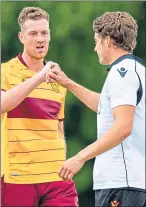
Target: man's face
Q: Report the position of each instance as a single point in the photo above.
(35, 36)
(102, 49)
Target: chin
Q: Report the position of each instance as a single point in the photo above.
(39, 56)
(102, 61)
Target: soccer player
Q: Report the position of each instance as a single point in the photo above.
(32, 122)
(119, 169)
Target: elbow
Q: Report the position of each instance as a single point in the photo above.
(94, 109)
(3, 110)
(4, 107)
(125, 130)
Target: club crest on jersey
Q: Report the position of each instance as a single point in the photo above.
(122, 71)
(55, 87)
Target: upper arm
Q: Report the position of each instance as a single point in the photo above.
(123, 90)
(124, 116)
(123, 97)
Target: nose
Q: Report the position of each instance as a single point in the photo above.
(40, 37)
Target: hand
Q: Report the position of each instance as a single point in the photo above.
(71, 167)
(45, 70)
(55, 69)
(59, 76)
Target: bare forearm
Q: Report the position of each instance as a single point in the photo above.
(13, 97)
(88, 97)
(110, 140)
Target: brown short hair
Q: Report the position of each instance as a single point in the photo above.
(32, 13)
(121, 27)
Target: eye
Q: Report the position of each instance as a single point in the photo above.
(45, 33)
(33, 33)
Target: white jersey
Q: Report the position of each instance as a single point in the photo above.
(124, 165)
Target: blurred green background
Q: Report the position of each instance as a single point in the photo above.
(72, 46)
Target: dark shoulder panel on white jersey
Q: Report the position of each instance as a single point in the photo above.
(137, 60)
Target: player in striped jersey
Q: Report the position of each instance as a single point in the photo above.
(32, 122)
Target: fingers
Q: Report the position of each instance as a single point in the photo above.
(49, 79)
(51, 64)
(55, 69)
(44, 73)
(62, 173)
(53, 75)
(65, 173)
(68, 176)
(56, 75)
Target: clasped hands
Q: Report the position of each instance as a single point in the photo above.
(49, 69)
(52, 73)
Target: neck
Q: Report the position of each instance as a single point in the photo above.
(117, 54)
(33, 63)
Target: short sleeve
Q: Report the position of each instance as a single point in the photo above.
(4, 83)
(123, 85)
(61, 112)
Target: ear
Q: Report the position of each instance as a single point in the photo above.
(109, 41)
(105, 41)
(21, 37)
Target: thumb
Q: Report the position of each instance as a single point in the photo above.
(53, 75)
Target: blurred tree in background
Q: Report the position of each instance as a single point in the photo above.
(72, 46)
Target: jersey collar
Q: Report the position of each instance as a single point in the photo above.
(23, 62)
(127, 56)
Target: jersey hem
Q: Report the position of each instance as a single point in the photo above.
(31, 181)
(109, 186)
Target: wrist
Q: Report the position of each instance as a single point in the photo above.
(80, 156)
(41, 77)
(69, 84)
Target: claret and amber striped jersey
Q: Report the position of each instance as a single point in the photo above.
(36, 148)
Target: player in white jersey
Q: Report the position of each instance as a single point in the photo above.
(119, 170)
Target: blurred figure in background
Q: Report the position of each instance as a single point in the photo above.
(32, 120)
(119, 169)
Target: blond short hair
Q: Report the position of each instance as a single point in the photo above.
(31, 13)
